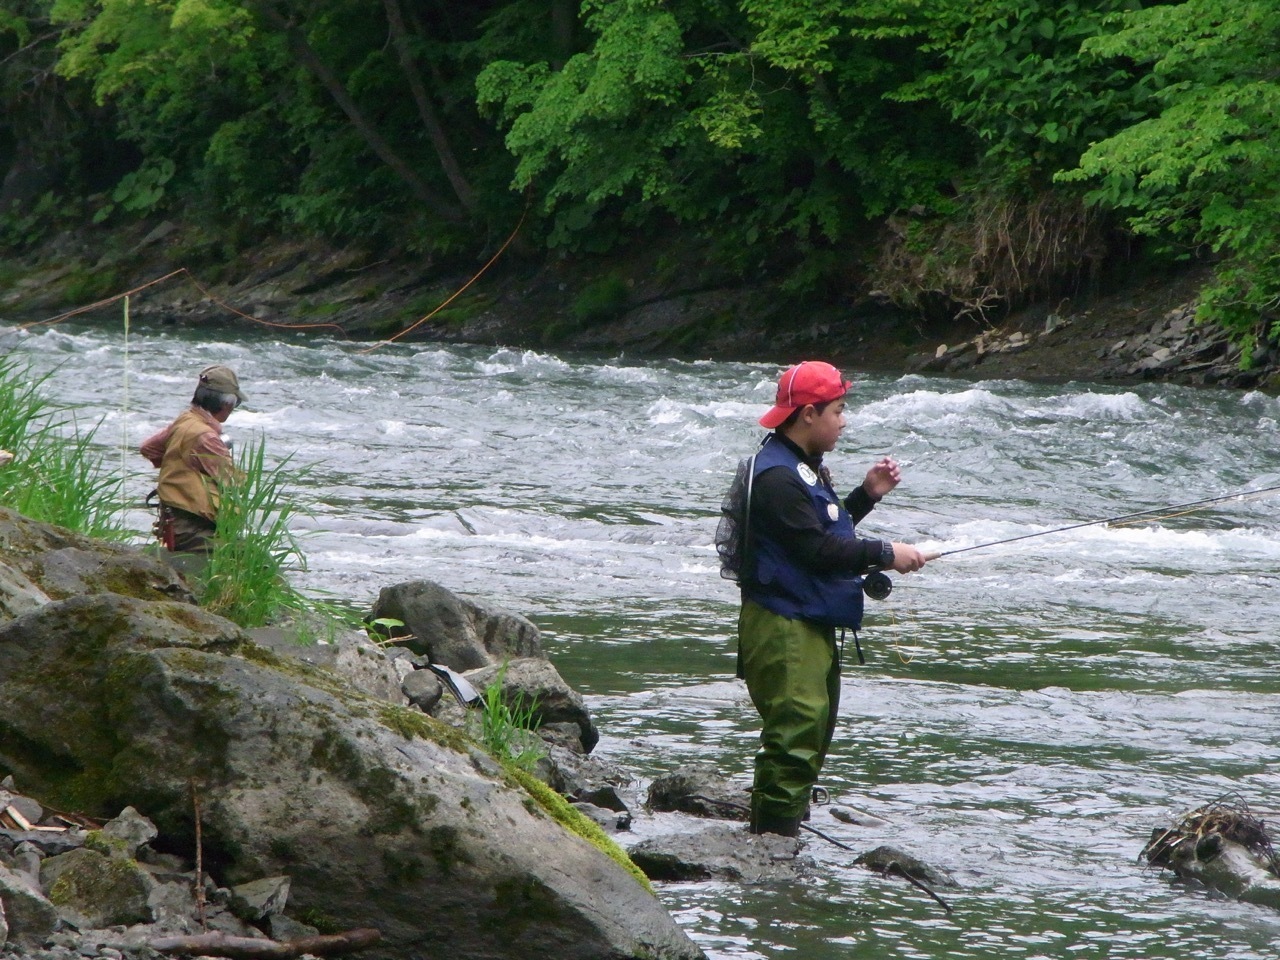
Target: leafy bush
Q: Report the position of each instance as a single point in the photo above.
(602, 299)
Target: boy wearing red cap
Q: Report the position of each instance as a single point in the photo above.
(800, 581)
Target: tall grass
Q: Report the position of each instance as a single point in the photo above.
(245, 577)
(57, 475)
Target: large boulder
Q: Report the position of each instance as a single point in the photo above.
(458, 633)
(380, 815)
(56, 563)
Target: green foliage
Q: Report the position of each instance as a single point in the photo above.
(245, 577)
(84, 285)
(22, 229)
(790, 135)
(1202, 173)
(598, 129)
(140, 192)
(1013, 74)
(764, 122)
(57, 475)
(504, 725)
(234, 109)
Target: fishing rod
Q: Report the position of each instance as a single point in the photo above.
(878, 586)
(1122, 518)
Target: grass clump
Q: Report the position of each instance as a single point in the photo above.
(254, 548)
(505, 729)
(56, 475)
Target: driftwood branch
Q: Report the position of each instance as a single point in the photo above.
(250, 948)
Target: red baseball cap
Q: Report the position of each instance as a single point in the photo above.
(809, 382)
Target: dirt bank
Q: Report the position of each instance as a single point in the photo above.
(666, 301)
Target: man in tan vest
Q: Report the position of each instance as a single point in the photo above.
(192, 458)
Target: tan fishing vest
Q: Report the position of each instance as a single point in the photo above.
(180, 485)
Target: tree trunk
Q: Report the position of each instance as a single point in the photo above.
(305, 55)
(564, 22)
(439, 139)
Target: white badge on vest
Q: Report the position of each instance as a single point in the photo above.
(807, 474)
(833, 511)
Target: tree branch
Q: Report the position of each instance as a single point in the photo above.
(251, 948)
(439, 139)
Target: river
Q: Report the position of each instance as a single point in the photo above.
(1028, 712)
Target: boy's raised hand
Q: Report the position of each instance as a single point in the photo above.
(883, 476)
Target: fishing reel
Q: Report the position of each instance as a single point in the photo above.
(877, 585)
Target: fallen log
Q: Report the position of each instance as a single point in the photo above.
(251, 948)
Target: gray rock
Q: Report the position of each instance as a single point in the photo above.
(48, 842)
(26, 859)
(528, 681)
(722, 852)
(699, 789)
(284, 929)
(29, 916)
(129, 831)
(173, 905)
(890, 860)
(606, 796)
(61, 564)
(382, 816)
(259, 899)
(565, 735)
(360, 662)
(610, 820)
(857, 818)
(91, 889)
(4, 926)
(18, 594)
(462, 634)
(30, 810)
(423, 688)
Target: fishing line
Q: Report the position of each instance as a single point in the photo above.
(1181, 508)
(124, 414)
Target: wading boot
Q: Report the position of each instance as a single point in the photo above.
(782, 826)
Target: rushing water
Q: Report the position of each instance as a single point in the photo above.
(1028, 712)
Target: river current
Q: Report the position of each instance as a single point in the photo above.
(1028, 712)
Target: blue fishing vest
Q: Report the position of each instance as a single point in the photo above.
(782, 587)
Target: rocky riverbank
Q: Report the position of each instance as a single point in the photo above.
(163, 764)
(665, 301)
